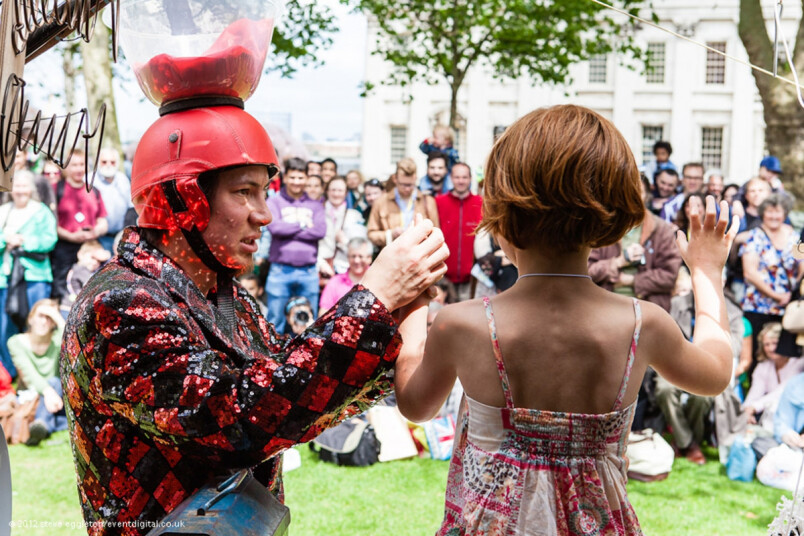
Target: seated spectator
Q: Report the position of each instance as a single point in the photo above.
(343, 224)
(36, 356)
(770, 376)
(251, 283)
(91, 256)
(28, 236)
(359, 252)
(781, 465)
(694, 201)
(6, 387)
(692, 177)
(441, 142)
(644, 264)
(315, 187)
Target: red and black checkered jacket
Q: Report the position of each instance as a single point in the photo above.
(159, 399)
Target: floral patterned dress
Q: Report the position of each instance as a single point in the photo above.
(777, 267)
(531, 472)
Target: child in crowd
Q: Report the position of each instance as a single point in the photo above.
(559, 182)
(441, 142)
(251, 283)
(91, 255)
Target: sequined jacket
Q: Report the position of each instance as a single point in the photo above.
(159, 399)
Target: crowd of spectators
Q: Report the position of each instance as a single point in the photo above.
(328, 226)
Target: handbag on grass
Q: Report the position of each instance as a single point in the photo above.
(237, 505)
(650, 457)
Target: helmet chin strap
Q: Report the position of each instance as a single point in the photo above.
(225, 275)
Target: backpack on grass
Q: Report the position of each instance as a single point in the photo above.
(352, 442)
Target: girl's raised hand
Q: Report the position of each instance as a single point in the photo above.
(710, 238)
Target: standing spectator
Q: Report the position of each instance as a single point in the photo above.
(91, 256)
(756, 191)
(769, 268)
(730, 193)
(313, 168)
(115, 190)
(28, 235)
(459, 212)
(644, 264)
(441, 142)
(436, 181)
(665, 186)
(691, 202)
(661, 160)
(343, 224)
(298, 224)
(36, 355)
(354, 183)
(329, 168)
(714, 184)
(395, 210)
(769, 170)
(45, 191)
(359, 252)
(692, 176)
(372, 191)
(251, 284)
(81, 216)
(314, 187)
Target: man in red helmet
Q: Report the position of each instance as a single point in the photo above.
(170, 373)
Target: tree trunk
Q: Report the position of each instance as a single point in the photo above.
(453, 106)
(784, 116)
(70, 72)
(98, 80)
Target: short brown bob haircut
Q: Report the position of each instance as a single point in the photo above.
(563, 178)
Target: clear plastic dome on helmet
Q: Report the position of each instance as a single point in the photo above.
(183, 49)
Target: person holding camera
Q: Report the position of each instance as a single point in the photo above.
(644, 264)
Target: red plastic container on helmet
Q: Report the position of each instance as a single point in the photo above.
(180, 49)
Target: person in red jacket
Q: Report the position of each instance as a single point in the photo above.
(459, 211)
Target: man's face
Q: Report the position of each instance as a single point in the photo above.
(238, 213)
(352, 180)
(437, 170)
(405, 184)
(107, 163)
(359, 259)
(75, 169)
(666, 184)
(756, 192)
(661, 155)
(693, 179)
(715, 186)
(461, 179)
(372, 193)
(328, 170)
(295, 182)
(766, 174)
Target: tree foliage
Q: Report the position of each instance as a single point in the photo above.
(432, 40)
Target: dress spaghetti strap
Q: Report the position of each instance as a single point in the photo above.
(631, 354)
(509, 400)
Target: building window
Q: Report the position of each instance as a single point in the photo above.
(597, 69)
(399, 143)
(498, 131)
(650, 135)
(656, 55)
(712, 147)
(716, 64)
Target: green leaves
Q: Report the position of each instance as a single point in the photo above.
(306, 28)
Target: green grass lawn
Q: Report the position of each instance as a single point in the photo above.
(401, 498)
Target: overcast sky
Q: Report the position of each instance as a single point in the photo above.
(323, 102)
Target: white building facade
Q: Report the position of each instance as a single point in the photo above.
(705, 105)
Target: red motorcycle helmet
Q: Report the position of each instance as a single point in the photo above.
(180, 146)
